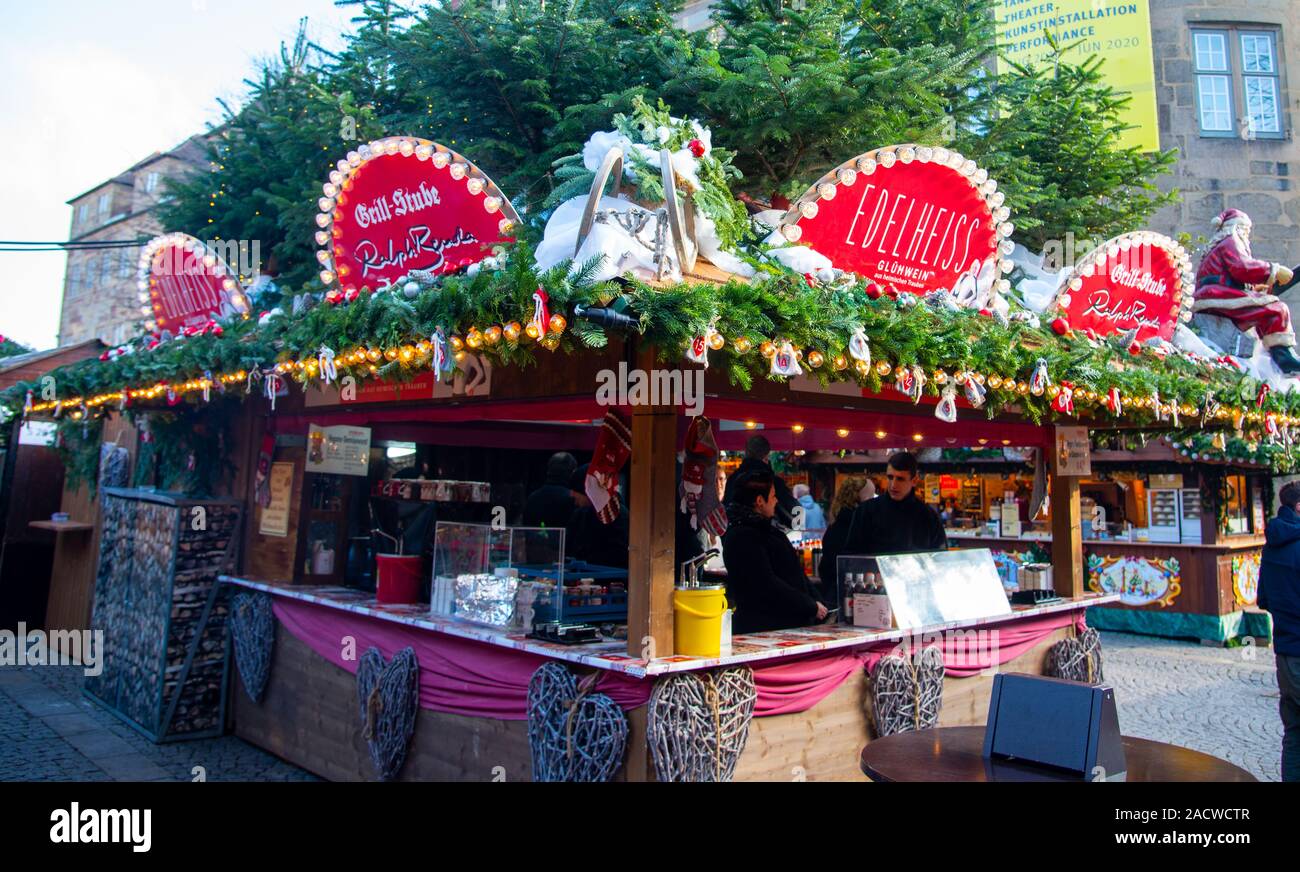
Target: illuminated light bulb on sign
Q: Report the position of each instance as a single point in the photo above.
(846, 176)
(907, 155)
(407, 148)
(474, 186)
(322, 219)
(866, 165)
(458, 170)
(924, 154)
(826, 190)
(322, 237)
(424, 151)
(492, 204)
(887, 159)
(792, 232)
(323, 256)
(329, 189)
(326, 204)
(808, 209)
(326, 277)
(505, 226)
(440, 159)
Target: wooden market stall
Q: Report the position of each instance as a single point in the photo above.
(813, 733)
(357, 634)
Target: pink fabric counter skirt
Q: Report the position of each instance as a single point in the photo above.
(478, 679)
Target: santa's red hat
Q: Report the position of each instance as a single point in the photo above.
(1230, 218)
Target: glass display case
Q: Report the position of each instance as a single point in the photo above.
(519, 577)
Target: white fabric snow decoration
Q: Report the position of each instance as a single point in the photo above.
(625, 253)
(1186, 340)
(706, 237)
(1039, 286)
(800, 258)
(859, 349)
(974, 287)
(1261, 366)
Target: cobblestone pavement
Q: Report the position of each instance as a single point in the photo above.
(1218, 700)
(50, 732)
(1223, 701)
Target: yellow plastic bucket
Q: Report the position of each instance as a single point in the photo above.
(697, 621)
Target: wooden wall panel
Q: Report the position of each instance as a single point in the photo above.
(310, 717)
(824, 742)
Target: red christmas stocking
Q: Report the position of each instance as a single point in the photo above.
(699, 486)
(613, 448)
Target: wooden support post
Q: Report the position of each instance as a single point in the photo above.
(1067, 534)
(652, 525)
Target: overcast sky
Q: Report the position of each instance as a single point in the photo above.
(89, 88)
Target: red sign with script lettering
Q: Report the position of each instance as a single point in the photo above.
(186, 285)
(1139, 280)
(407, 204)
(918, 218)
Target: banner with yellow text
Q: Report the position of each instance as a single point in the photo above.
(1119, 32)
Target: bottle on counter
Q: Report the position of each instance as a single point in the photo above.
(847, 587)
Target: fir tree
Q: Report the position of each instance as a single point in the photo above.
(267, 163)
(1053, 146)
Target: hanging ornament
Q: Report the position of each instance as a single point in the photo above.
(325, 359)
(1064, 401)
(946, 410)
(1040, 380)
(172, 397)
(1261, 396)
(1060, 326)
(1173, 410)
(1114, 402)
(859, 349)
(1239, 421)
(1270, 427)
(271, 386)
(784, 361)
(698, 350)
(541, 321)
(439, 340)
(918, 383)
(207, 385)
(27, 404)
(975, 393)
(1209, 408)
(123, 399)
(1218, 441)
(1158, 407)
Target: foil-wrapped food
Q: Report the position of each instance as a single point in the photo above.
(486, 598)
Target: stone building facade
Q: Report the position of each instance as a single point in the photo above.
(99, 286)
(1228, 93)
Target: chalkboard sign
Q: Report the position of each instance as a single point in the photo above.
(940, 587)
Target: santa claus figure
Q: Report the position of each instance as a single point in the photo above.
(1231, 283)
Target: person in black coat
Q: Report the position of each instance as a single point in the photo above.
(853, 491)
(552, 504)
(757, 449)
(896, 522)
(1279, 594)
(765, 579)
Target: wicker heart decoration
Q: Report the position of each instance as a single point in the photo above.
(907, 691)
(573, 733)
(252, 631)
(1078, 659)
(389, 698)
(698, 723)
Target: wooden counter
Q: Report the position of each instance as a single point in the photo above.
(308, 714)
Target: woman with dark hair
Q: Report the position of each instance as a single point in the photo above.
(765, 580)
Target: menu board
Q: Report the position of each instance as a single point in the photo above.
(341, 450)
(942, 586)
(1073, 451)
(275, 515)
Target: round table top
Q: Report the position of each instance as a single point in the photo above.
(957, 754)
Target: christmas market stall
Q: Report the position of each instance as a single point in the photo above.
(404, 602)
